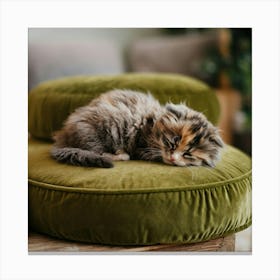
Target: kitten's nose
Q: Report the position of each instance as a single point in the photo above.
(172, 159)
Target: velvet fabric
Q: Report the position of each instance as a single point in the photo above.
(51, 102)
(138, 202)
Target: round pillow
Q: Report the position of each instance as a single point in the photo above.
(51, 102)
(138, 202)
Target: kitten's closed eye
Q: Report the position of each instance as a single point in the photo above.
(187, 154)
(171, 144)
(166, 141)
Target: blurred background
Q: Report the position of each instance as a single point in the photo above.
(221, 57)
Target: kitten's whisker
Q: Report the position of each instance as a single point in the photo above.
(191, 171)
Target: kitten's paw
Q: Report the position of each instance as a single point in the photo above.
(122, 157)
(119, 156)
(104, 162)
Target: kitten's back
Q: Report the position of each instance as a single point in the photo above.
(127, 100)
(107, 124)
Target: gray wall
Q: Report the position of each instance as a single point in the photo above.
(120, 37)
(59, 52)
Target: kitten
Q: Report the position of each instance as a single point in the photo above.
(125, 124)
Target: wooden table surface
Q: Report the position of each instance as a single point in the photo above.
(43, 243)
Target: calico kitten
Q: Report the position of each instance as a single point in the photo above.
(125, 124)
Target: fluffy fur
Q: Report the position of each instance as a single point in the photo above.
(125, 124)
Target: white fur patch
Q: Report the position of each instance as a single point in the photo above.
(176, 156)
(178, 159)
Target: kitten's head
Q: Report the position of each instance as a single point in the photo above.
(186, 138)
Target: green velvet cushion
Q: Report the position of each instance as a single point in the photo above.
(138, 202)
(51, 102)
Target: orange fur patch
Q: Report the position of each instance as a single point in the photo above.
(186, 137)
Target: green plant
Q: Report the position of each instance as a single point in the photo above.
(237, 66)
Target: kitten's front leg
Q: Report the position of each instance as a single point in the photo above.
(120, 155)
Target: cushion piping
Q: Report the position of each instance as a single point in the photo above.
(87, 190)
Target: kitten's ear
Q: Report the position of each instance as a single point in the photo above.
(216, 138)
(178, 110)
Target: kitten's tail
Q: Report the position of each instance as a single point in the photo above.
(76, 156)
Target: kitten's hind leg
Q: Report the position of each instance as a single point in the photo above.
(120, 155)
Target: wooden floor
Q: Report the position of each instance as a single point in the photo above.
(42, 243)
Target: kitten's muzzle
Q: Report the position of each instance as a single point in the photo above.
(174, 160)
